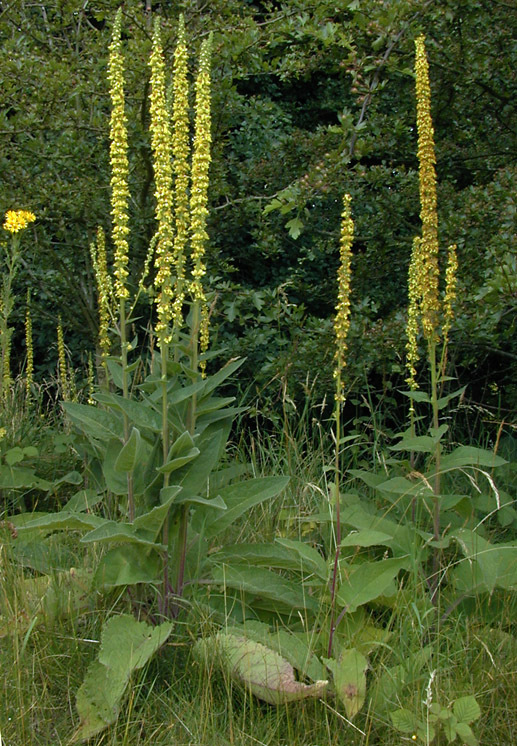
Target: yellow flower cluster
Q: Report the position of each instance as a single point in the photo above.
(119, 161)
(181, 150)
(199, 195)
(161, 145)
(17, 220)
(342, 319)
(428, 264)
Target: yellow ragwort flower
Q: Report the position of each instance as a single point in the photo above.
(428, 210)
(415, 299)
(29, 368)
(161, 146)
(119, 161)
(199, 194)
(450, 291)
(17, 220)
(181, 151)
(342, 318)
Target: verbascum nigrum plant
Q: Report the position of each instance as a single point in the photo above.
(181, 170)
(64, 379)
(29, 348)
(341, 328)
(104, 291)
(199, 193)
(119, 162)
(161, 146)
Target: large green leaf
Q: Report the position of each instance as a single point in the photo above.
(64, 520)
(367, 538)
(98, 700)
(259, 669)
(470, 456)
(95, 423)
(239, 498)
(176, 463)
(140, 413)
(21, 477)
(127, 645)
(467, 709)
(127, 565)
(309, 559)
(260, 583)
(83, 500)
(486, 565)
(130, 454)
(369, 581)
(116, 531)
(349, 674)
(290, 646)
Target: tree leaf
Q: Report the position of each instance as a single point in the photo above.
(349, 674)
(259, 669)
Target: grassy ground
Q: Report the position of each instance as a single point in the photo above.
(176, 701)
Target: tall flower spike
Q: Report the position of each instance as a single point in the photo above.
(428, 210)
(342, 319)
(29, 367)
(415, 281)
(450, 291)
(161, 145)
(104, 291)
(199, 195)
(181, 150)
(62, 366)
(119, 161)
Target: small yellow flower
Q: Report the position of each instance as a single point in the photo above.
(342, 319)
(3, 432)
(17, 220)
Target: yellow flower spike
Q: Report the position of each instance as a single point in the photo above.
(29, 368)
(181, 151)
(428, 211)
(62, 366)
(161, 146)
(105, 291)
(342, 319)
(450, 291)
(119, 161)
(415, 281)
(17, 220)
(199, 193)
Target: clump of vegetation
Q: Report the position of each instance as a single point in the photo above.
(300, 584)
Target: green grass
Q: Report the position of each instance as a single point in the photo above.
(176, 701)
